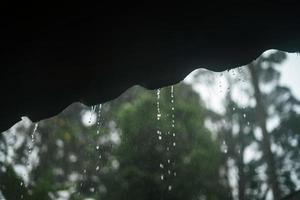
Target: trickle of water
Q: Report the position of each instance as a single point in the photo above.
(91, 113)
(98, 118)
(34, 131)
(32, 136)
(157, 104)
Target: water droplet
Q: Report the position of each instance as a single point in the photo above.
(161, 165)
(244, 115)
(92, 189)
(248, 123)
(224, 147)
(174, 144)
(97, 147)
(169, 161)
(158, 116)
(169, 172)
(170, 187)
(97, 168)
(175, 174)
(159, 137)
(162, 177)
(233, 108)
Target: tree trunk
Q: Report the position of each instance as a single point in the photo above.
(262, 120)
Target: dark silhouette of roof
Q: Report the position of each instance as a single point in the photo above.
(52, 57)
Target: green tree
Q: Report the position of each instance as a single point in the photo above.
(195, 160)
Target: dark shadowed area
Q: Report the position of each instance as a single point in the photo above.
(52, 57)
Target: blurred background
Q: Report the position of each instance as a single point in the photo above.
(226, 135)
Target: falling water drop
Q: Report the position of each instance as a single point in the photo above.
(170, 187)
(162, 177)
(224, 147)
(161, 165)
(97, 168)
(244, 115)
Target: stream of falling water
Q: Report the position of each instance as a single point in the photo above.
(170, 137)
(158, 116)
(93, 110)
(30, 147)
(98, 132)
(173, 133)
